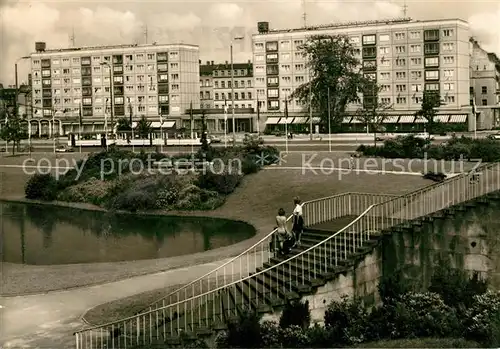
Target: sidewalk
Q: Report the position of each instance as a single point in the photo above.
(49, 320)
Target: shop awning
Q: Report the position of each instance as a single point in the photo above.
(406, 119)
(316, 120)
(156, 124)
(300, 120)
(287, 121)
(393, 119)
(420, 120)
(356, 121)
(272, 121)
(442, 118)
(347, 119)
(458, 119)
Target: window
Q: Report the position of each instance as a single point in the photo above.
(272, 46)
(384, 37)
(416, 61)
(46, 72)
(369, 52)
(384, 62)
(96, 69)
(370, 76)
(448, 32)
(76, 60)
(415, 48)
(76, 71)
(432, 61)
(416, 100)
(249, 94)
(260, 69)
(173, 55)
(97, 79)
(272, 81)
(118, 69)
(139, 57)
(401, 88)
(272, 58)
(401, 62)
(385, 76)
(432, 87)
(484, 90)
(129, 88)
(299, 79)
(448, 59)
(273, 105)
(222, 84)
(448, 73)
(87, 101)
(400, 75)
(448, 87)
(76, 80)
(36, 62)
(449, 99)
(401, 100)
(259, 45)
(299, 67)
(118, 79)
(416, 74)
(385, 88)
(414, 35)
(56, 71)
(286, 91)
(285, 45)
(272, 93)
(175, 77)
(431, 49)
(46, 82)
(416, 87)
(370, 65)
(484, 102)
(399, 36)
(400, 49)
(383, 50)
(354, 40)
(369, 39)
(385, 100)
(65, 60)
(432, 75)
(448, 46)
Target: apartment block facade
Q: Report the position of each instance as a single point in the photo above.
(149, 80)
(405, 57)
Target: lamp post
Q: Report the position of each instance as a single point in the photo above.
(111, 96)
(232, 88)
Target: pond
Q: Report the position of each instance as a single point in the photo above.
(48, 235)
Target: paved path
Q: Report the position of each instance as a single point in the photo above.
(49, 320)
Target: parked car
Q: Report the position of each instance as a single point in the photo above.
(64, 149)
(384, 137)
(214, 139)
(495, 136)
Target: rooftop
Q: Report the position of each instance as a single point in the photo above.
(357, 24)
(112, 47)
(207, 69)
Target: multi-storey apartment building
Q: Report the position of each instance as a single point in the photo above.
(215, 93)
(405, 57)
(149, 80)
(485, 85)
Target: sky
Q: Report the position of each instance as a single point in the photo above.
(209, 24)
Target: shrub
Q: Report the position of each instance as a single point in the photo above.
(294, 337)
(41, 187)
(224, 183)
(193, 198)
(244, 332)
(250, 165)
(318, 337)
(482, 320)
(346, 321)
(454, 285)
(296, 313)
(270, 334)
(92, 191)
(393, 286)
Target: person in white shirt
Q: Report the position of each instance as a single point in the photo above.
(298, 220)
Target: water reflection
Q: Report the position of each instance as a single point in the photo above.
(41, 235)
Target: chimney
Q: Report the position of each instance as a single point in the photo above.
(199, 61)
(212, 63)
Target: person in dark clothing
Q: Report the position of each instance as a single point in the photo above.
(298, 220)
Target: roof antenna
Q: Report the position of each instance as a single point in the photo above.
(304, 13)
(146, 33)
(405, 9)
(72, 38)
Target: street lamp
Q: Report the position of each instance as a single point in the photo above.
(111, 95)
(232, 87)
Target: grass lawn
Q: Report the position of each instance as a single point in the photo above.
(256, 201)
(422, 343)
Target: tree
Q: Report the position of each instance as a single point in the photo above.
(374, 112)
(430, 104)
(13, 132)
(204, 140)
(333, 68)
(123, 124)
(143, 128)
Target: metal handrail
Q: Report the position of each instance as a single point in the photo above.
(365, 214)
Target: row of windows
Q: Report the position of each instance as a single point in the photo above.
(139, 57)
(222, 84)
(367, 39)
(117, 100)
(151, 79)
(104, 69)
(224, 96)
(484, 90)
(236, 72)
(218, 106)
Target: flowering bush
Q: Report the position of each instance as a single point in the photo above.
(270, 334)
(294, 337)
(482, 321)
(94, 191)
(346, 321)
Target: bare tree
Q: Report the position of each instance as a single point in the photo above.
(374, 112)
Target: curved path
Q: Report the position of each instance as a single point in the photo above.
(48, 320)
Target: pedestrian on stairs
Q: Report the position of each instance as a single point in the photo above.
(298, 220)
(281, 230)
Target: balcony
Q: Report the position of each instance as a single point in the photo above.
(86, 71)
(272, 69)
(431, 35)
(369, 52)
(118, 59)
(431, 49)
(85, 61)
(86, 81)
(87, 91)
(162, 57)
(370, 65)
